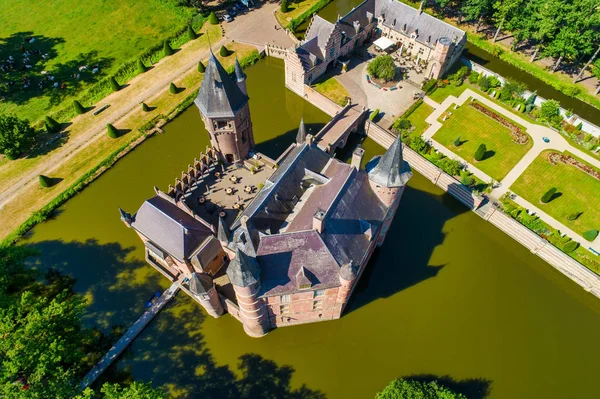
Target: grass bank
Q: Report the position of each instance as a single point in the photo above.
(333, 90)
(39, 203)
(307, 14)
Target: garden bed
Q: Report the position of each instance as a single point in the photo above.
(518, 136)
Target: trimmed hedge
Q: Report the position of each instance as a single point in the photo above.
(190, 33)
(167, 49)
(140, 67)
(570, 246)
(590, 235)
(145, 107)
(114, 85)
(480, 153)
(547, 197)
(79, 109)
(201, 67)
(224, 51)
(172, 88)
(294, 23)
(52, 126)
(45, 181)
(112, 131)
(374, 114)
(212, 18)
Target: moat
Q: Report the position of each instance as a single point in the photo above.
(447, 295)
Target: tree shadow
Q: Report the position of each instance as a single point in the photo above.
(556, 195)
(472, 388)
(122, 132)
(488, 154)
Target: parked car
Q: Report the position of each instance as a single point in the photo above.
(227, 18)
(239, 6)
(232, 11)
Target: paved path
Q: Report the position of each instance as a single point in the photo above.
(131, 334)
(537, 132)
(260, 30)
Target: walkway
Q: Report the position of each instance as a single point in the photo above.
(537, 132)
(262, 28)
(131, 334)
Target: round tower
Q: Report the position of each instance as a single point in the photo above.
(203, 288)
(348, 274)
(389, 174)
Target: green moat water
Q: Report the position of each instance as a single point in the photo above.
(447, 295)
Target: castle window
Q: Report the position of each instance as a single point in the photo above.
(304, 286)
(222, 124)
(319, 293)
(332, 52)
(244, 136)
(284, 309)
(317, 305)
(285, 298)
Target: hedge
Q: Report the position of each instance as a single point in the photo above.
(294, 23)
(570, 246)
(79, 109)
(45, 181)
(590, 235)
(374, 114)
(52, 126)
(430, 86)
(112, 131)
(201, 67)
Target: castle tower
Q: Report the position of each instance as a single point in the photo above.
(240, 77)
(441, 57)
(225, 111)
(388, 176)
(348, 274)
(203, 288)
(244, 273)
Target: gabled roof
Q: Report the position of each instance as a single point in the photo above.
(321, 29)
(243, 270)
(200, 283)
(169, 227)
(219, 95)
(390, 170)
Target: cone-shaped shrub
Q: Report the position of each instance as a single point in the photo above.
(167, 50)
(457, 142)
(190, 33)
(212, 18)
(45, 181)
(201, 67)
(145, 107)
(573, 216)
(547, 197)
(570, 246)
(78, 107)
(141, 68)
(113, 133)
(480, 153)
(284, 6)
(114, 85)
(590, 235)
(52, 126)
(172, 88)
(224, 52)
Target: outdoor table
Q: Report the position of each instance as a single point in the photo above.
(217, 174)
(202, 200)
(229, 191)
(222, 214)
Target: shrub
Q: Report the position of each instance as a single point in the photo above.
(484, 83)
(16, 136)
(190, 33)
(374, 114)
(494, 81)
(480, 153)
(550, 109)
(145, 107)
(406, 388)
(284, 6)
(383, 67)
(113, 133)
(419, 145)
(167, 50)
(451, 166)
(462, 72)
(78, 107)
(570, 246)
(114, 85)
(172, 88)
(45, 181)
(473, 77)
(590, 235)
(212, 18)
(224, 52)
(547, 197)
(140, 67)
(403, 124)
(260, 186)
(531, 98)
(457, 142)
(52, 126)
(573, 216)
(201, 67)
(430, 86)
(467, 180)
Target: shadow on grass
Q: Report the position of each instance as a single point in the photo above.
(488, 154)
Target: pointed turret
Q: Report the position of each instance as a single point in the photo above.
(240, 77)
(391, 170)
(126, 217)
(243, 270)
(301, 135)
(223, 232)
(200, 283)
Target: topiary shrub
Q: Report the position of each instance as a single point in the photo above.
(374, 115)
(473, 77)
(145, 107)
(78, 107)
(140, 67)
(573, 216)
(590, 235)
(45, 181)
(112, 131)
(114, 85)
(167, 50)
(467, 180)
(201, 67)
(190, 33)
(480, 153)
(172, 88)
(52, 126)
(484, 83)
(457, 142)
(570, 246)
(212, 18)
(284, 6)
(224, 52)
(547, 197)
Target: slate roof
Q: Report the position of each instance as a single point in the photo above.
(239, 73)
(243, 270)
(321, 29)
(223, 231)
(169, 227)
(219, 95)
(200, 283)
(390, 170)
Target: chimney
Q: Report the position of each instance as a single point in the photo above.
(356, 25)
(357, 156)
(309, 139)
(319, 220)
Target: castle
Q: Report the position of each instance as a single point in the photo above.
(273, 243)
(416, 33)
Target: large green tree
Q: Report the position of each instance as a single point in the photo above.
(507, 14)
(412, 389)
(477, 10)
(136, 390)
(383, 67)
(16, 136)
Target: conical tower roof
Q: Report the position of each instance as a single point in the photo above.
(243, 270)
(219, 95)
(223, 232)
(391, 170)
(200, 283)
(301, 135)
(240, 76)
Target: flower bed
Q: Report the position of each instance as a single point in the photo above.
(518, 136)
(555, 157)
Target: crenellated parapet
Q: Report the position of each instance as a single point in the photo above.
(195, 173)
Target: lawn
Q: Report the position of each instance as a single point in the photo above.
(417, 118)
(294, 10)
(578, 192)
(333, 90)
(76, 33)
(441, 93)
(475, 128)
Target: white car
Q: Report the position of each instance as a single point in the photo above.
(227, 18)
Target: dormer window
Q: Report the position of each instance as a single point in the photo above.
(302, 281)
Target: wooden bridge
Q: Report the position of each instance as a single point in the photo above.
(131, 334)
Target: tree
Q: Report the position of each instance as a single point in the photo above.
(477, 10)
(596, 74)
(44, 181)
(137, 390)
(467, 180)
(224, 52)
(112, 131)
(13, 273)
(16, 136)
(547, 197)
(114, 85)
(480, 153)
(573, 216)
(506, 12)
(403, 124)
(403, 388)
(284, 6)
(190, 33)
(172, 88)
(141, 68)
(201, 67)
(484, 83)
(212, 18)
(570, 246)
(549, 109)
(457, 142)
(78, 107)
(167, 50)
(52, 126)
(383, 67)
(590, 235)
(145, 107)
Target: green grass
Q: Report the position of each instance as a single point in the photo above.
(76, 33)
(333, 90)
(579, 192)
(475, 128)
(441, 93)
(417, 118)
